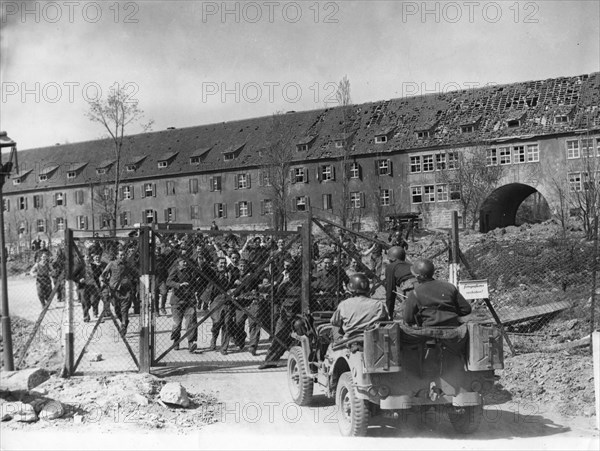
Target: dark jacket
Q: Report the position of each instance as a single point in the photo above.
(395, 273)
(435, 303)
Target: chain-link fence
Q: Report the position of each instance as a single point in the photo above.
(542, 289)
(224, 297)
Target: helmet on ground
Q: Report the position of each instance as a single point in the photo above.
(359, 283)
(396, 253)
(423, 269)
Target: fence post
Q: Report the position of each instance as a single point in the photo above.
(454, 252)
(69, 305)
(146, 294)
(306, 261)
(594, 282)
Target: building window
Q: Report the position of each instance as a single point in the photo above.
(440, 161)
(170, 188)
(17, 181)
(467, 128)
(163, 164)
(229, 156)
(575, 184)
(41, 226)
(6, 204)
(424, 134)
(149, 190)
(38, 201)
(327, 205)
(442, 193)
(101, 171)
(533, 153)
(194, 186)
(170, 214)
(340, 143)
(299, 175)
(220, 210)
(428, 163)
(384, 167)
(561, 119)
(454, 191)
(71, 175)
(452, 160)
(504, 155)
(326, 173)
(82, 222)
(429, 193)
(519, 154)
(302, 147)
(194, 211)
(265, 178)
(357, 200)
(415, 164)
(43, 177)
(355, 170)
(381, 139)
(22, 203)
(587, 147)
(267, 207)
(149, 216)
(385, 197)
(301, 203)
(242, 181)
(127, 192)
(215, 183)
(244, 209)
(598, 147)
(491, 157)
(130, 167)
(125, 218)
(573, 148)
(416, 194)
(60, 224)
(22, 228)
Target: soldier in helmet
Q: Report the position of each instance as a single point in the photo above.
(396, 273)
(357, 313)
(433, 302)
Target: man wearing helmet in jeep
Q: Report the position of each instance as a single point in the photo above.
(433, 302)
(357, 313)
(396, 274)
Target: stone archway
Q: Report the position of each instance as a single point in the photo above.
(500, 208)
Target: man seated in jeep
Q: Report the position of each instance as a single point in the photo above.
(358, 313)
(433, 302)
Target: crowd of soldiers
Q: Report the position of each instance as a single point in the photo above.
(243, 285)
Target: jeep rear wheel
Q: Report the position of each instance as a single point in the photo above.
(299, 382)
(353, 412)
(465, 420)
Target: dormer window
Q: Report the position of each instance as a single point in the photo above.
(163, 164)
(424, 134)
(71, 175)
(43, 177)
(513, 123)
(562, 119)
(381, 139)
(195, 160)
(101, 171)
(17, 181)
(467, 128)
(165, 160)
(340, 143)
(104, 167)
(232, 152)
(302, 147)
(229, 156)
(131, 167)
(515, 118)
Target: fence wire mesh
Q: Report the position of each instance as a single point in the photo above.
(226, 298)
(542, 289)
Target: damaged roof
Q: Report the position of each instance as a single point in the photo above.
(534, 103)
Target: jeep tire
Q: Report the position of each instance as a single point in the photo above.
(299, 382)
(353, 412)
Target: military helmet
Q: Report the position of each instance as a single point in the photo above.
(359, 283)
(423, 269)
(396, 253)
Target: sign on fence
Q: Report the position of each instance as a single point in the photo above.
(474, 289)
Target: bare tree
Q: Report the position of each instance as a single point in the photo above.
(470, 182)
(116, 114)
(275, 179)
(344, 100)
(584, 189)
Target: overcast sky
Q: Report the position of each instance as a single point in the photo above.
(191, 63)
